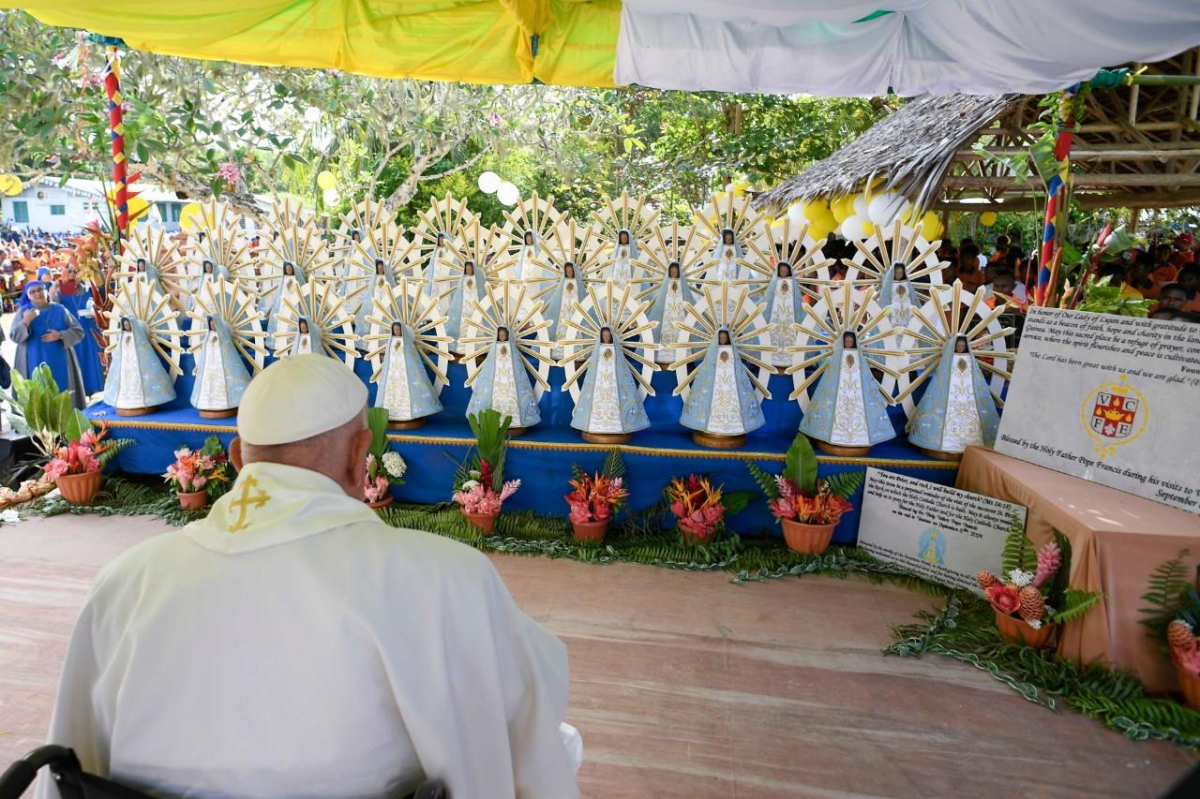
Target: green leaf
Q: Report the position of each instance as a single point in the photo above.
(377, 423)
(766, 481)
(845, 484)
(1076, 604)
(800, 464)
(736, 501)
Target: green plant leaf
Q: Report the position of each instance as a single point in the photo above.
(800, 464)
(766, 480)
(736, 501)
(845, 484)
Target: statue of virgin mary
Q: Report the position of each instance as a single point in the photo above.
(620, 271)
(380, 289)
(784, 308)
(221, 374)
(847, 409)
(528, 253)
(609, 406)
(404, 386)
(565, 291)
(307, 340)
(290, 282)
(727, 253)
(503, 385)
(467, 287)
(137, 381)
(896, 291)
(957, 409)
(722, 401)
(668, 304)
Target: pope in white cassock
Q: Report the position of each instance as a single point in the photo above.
(294, 645)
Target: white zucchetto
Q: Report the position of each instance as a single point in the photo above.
(297, 398)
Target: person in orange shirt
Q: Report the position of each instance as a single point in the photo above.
(968, 267)
(1185, 244)
(1140, 277)
(1164, 271)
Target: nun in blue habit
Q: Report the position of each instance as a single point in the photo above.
(847, 408)
(221, 373)
(137, 379)
(404, 385)
(610, 402)
(76, 297)
(46, 333)
(722, 400)
(957, 409)
(503, 384)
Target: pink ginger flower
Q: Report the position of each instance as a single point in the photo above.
(230, 173)
(509, 489)
(787, 488)
(1049, 561)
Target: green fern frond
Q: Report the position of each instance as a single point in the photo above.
(1018, 549)
(115, 447)
(1075, 604)
(765, 480)
(614, 465)
(1168, 586)
(844, 484)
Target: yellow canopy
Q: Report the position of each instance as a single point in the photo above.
(477, 41)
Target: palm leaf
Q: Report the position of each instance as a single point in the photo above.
(800, 464)
(766, 480)
(845, 484)
(614, 465)
(1018, 550)
(1168, 589)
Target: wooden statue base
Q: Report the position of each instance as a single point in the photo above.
(518, 431)
(135, 411)
(218, 414)
(845, 452)
(715, 441)
(410, 424)
(953, 457)
(606, 438)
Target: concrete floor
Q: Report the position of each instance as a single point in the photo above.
(684, 685)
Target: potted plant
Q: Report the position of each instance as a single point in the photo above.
(1035, 594)
(700, 509)
(479, 485)
(806, 507)
(596, 497)
(198, 476)
(78, 468)
(44, 413)
(385, 468)
(1173, 618)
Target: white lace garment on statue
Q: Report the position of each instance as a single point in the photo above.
(606, 407)
(395, 393)
(131, 394)
(213, 394)
(504, 387)
(622, 269)
(850, 413)
(901, 313)
(727, 267)
(961, 428)
(725, 418)
(674, 310)
(783, 335)
(570, 296)
(303, 344)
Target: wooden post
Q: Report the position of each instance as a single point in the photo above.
(1134, 215)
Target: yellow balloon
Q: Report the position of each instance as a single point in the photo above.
(931, 226)
(821, 228)
(987, 218)
(842, 208)
(11, 185)
(816, 209)
(191, 216)
(868, 227)
(326, 180)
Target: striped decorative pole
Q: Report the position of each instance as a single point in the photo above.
(1056, 202)
(116, 125)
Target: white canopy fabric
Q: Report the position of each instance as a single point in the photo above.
(847, 48)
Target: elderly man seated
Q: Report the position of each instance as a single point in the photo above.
(294, 645)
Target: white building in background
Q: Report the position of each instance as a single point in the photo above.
(51, 205)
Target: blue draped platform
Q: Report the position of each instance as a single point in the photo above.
(542, 457)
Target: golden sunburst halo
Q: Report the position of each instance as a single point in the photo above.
(138, 300)
(322, 308)
(410, 307)
(226, 300)
(508, 304)
(616, 308)
(729, 308)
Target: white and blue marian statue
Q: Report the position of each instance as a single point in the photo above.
(291, 281)
(896, 292)
(228, 343)
(784, 308)
(510, 335)
(379, 290)
(620, 269)
(723, 393)
(137, 381)
(957, 409)
(404, 385)
(727, 256)
(668, 303)
(847, 409)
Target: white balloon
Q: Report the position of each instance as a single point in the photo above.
(860, 207)
(489, 182)
(886, 207)
(508, 193)
(330, 196)
(796, 214)
(852, 229)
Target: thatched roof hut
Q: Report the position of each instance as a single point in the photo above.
(1138, 146)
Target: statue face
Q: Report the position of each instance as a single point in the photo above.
(397, 329)
(784, 269)
(304, 326)
(899, 272)
(849, 341)
(288, 269)
(212, 323)
(727, 237)
(569, 271)
(502, 334)
(141, 264)
(355, 236)
(469, 268)
(606, 336)
(441, 239)
(960, 345)
(723, 338)
(623, 237)
(378, 266)
(207, 267)
(126, 325)
(529, 238)
(673, 270)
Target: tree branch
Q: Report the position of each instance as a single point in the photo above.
(470, 162)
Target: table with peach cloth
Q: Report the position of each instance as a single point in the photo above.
(1117, 541)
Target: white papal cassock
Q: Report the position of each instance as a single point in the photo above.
(292, 644)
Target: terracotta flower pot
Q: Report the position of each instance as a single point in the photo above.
(690, 537)
(1016, 631)
(382, 503)
(80, 489)
(590, 531)
(1190, 685)
(192, 500)
(484, 521)
(811, 539)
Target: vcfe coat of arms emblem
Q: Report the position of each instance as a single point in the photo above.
(1114, 414)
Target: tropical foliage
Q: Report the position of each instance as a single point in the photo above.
(44, 413)
(798, 495)
(1034, 584)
